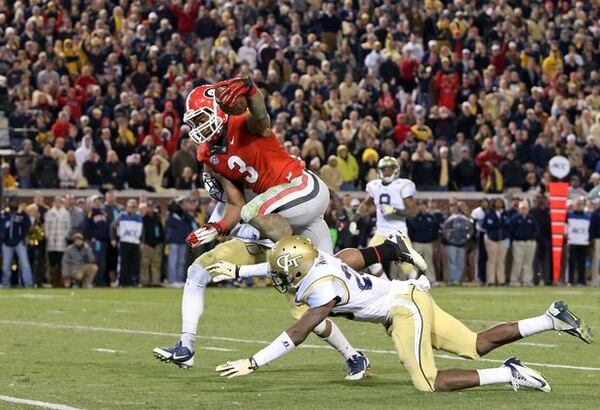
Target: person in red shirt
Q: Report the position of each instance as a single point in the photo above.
(488, 159)
(446, 82)
(61, 126)
(86, 78)
(408, 68)
(186, 15)
(401, 129)
(74, 98)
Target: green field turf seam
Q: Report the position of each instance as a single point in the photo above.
(261, 342)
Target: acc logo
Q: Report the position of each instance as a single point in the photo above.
(284, 261)
(209, 92)
(213, 159)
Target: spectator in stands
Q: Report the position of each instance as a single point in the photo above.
(423, 231)
(155, 172)
(153, 238)
(496, 240)
(78, 264)
(134, 172)
(423, 168)
(113, 172)
(578, 241)
(24, 164)
(46, 170)
(512, 173)
(182, 158)
(523, 236)
(70, 172)
(180, 222)
(457, 230)
(465, 173)
(348, 166)
(14, 226)
(575, 189)
(128, 231)
(331, 174)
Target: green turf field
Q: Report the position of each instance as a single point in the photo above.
(49, 341)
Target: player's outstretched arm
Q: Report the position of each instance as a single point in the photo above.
(366, 207)
(258, 122)
(286, 342)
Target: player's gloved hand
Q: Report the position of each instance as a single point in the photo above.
(353, 228)
(237, 368)
(234, 88)
(207, 233)
(223, 270)
(422, 283)
(387, 209)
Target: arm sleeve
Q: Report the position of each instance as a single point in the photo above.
(408, 190)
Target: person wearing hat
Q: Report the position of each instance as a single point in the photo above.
(128, 230)
(523, 234)
(78, 263)
(14, 226)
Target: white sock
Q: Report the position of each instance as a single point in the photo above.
(192, 303)
(498, 375)
(533, 325)
(336, 339)
(258, 270)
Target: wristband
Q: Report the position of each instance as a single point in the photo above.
(221, 227)
(278, 347)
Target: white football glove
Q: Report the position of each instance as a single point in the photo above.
(353, 228)
(202, 235)
(387, 209)
(223, 270)
(238, 368)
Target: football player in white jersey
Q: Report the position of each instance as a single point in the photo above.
(414, 321)
(392, 199)
(245, 256)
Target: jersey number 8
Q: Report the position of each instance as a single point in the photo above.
(252, 174)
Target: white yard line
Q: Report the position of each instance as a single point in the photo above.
(536, 344)
(102, 350)
(37, 403)
(261, 342)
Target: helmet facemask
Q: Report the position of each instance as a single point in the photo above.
(388, 173)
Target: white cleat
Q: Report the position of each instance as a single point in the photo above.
(566, 321)
(405, 252)
(523, 376)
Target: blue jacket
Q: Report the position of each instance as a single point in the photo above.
(595, 225)
(178, 227)
(14, 226)
(423, 228)
(497, 228)
(97, 226)
(523, 228)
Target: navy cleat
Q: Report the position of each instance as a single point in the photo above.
(405, 252)
(359, 367)
(566, 321)
(523, 376)
(179, 355)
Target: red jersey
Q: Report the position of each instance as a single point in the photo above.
(258, 162)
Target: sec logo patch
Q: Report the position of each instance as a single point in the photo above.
(213, 160)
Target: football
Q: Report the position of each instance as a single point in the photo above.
(237, 108)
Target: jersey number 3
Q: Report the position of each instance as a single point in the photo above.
(366, 283)
(249, 173)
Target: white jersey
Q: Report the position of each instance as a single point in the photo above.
(361, 297)
(392, 194)
(243, 232)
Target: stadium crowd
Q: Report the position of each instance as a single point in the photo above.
(468, 96)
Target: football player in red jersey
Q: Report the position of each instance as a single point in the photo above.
(244, 152)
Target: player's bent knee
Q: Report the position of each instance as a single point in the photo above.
(197, 275)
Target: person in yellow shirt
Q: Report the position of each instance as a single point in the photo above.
(349, 168)
(552, 63)
(71, 56)
(421, 131)
(8, 181)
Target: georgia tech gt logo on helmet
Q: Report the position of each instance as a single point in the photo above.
(290, 260)
(285, 261)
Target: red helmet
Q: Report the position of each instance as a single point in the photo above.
(203, 115)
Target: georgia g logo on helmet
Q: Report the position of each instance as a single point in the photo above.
(285, 261)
